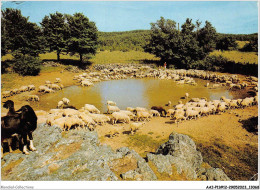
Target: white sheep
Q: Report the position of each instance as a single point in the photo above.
(91, 108)
(69, 112)
(66, 101)
(117, 116)
(145, 115)
(89, 121)
(111, 103)
(187, 95)
(99, 118)
(31, 87)
(192, 114)
(130, 109)
(86, 83)
(71, 121)
(60, 104)
(111, 109)
(155, 113)
(129, 113)
(6, 93)
(135, 126)
(113, 131)
(58, 80)
(32, 98)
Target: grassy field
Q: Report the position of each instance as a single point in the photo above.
(102, 57)
(241, 44)
(237, 56)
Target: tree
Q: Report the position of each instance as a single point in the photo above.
(83, 35)
(226, 43)
(207, 37)
(20, 35)
(173, 46)
(251, 46)
(55, 31)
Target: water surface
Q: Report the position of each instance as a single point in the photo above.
(145, 92)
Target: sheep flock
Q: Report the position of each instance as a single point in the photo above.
(89, 116)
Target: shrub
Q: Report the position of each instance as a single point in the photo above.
(26, 65)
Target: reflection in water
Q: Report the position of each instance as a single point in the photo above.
(131, 93)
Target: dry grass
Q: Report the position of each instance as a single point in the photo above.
(241, 44)
(237, 56)
(102, 57)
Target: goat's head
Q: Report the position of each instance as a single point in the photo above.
(8, 104)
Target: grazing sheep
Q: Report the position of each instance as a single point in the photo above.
(135, 126)
(31, 87)
(86, 83)
(170, 112)
(66, 101)
(160, 109)
(69, 112)
(111, 103)
(60, 104)
(190, 114)
(129, 113)
(6, 94)
(15, 91)
(71, 121)
(111, 109)
(169, 103)
(91, 108)
(130, 109)
(117, 116)
(23, 88)
(155, 113)
(58, 80)
(54, 87)
(177, 117)
(32, 98)
(187, 95)
(143, 115)
(89, 121)
(140, 109)
(100, 118)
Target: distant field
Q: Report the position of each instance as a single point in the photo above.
(237, 56)
(241, 44)
(103, 57)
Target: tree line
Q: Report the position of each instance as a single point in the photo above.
(57, 32)
(76, 34)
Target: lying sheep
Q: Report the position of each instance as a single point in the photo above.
(117, 116)
(111, 109)
(135, 126)
(113, 131)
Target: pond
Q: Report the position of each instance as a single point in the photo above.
(145, 92)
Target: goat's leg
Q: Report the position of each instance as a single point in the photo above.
(25, 150)
(9, 141)
(2, 151)
(31, 142)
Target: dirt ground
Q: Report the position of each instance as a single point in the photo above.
(222, 139)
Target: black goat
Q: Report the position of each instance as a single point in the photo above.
(160, 109)
(9, 104)
(22, 124)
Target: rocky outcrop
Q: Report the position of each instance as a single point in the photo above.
(78, 155)
(181, 152)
